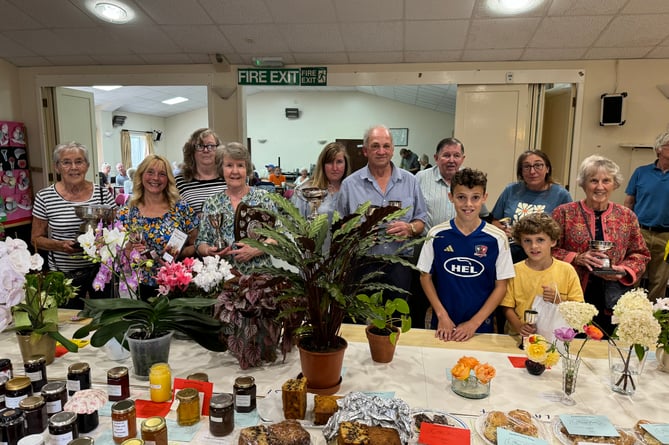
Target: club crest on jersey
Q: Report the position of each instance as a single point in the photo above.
(480, 250)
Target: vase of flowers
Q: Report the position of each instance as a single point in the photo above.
(570, 366)
(637, 330)
(471, 378)
(540, 354)
(30, 300)
(661, 313)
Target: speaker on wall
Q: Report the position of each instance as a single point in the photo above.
(612, 111)
(292, 113)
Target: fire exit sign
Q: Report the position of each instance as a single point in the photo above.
(307, 76)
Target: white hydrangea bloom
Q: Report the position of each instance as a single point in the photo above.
(577, 314)
(638, 327)
(632, 300)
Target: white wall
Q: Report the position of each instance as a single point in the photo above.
(331, 115)
(178, 130)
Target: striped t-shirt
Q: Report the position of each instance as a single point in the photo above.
(63, 224)
(195, 192)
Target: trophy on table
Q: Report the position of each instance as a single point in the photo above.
(529, 317)
(314, 196)
(603, 247)
(216, 221)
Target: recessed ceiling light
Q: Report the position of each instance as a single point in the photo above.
(107, 87)
(113, 12)
(175, 100)
(513, 6)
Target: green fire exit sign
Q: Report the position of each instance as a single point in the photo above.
(307, 76)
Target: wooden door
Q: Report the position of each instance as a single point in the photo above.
(354, 150)
(558, 127)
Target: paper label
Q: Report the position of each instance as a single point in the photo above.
(114, 390)
(34, 376)
(580, 425)
(54, 407)
(73, 385)
(433, 434)
(507, 437)
(242, 400)
(216, 419)
(174, 245)
(61, 439)
(13, 402)
(120, 428)
(660, 431)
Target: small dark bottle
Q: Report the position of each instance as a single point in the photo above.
(34, 409)
(12, 426)
(36, 371)
(245, 394)
(78, 377)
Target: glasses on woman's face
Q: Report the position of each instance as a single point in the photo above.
(537, 166)
(205, 147)
(69, 164)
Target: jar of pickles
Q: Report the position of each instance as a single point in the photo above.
(124, 420)
(188, 411)
(154, 431)
(160, 381)
(118, 384)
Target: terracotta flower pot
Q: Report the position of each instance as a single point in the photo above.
(322, 369)
(380, 347)
(44, 345)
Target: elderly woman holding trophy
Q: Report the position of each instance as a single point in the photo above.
(601, 239)
(230, 216)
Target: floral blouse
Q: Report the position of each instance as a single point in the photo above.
(157, 231)
(220, 203)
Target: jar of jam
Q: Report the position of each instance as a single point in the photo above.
(160, 381)
(33, 439)
(124, 420)
(118, 384)
(221, 415)
(133, 442)
(12, 426)
(199, 376)
(78, 377)
(34, 408)
(3, 382)
(63, 427)
(188, 411)
(245, 394)
(82, 440)
(55, 396)
(36, 371)
(17, 389)
(6, 368)
(154, 431)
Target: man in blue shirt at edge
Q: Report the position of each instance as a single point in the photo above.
(381, 182)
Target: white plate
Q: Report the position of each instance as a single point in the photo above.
(453, 421)
(270, 409)
(480, 429)
(564, 440)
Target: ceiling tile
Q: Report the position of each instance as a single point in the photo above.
(91, 41)
(377, 10)
(30, 61)
(372, 37)
(569, 32)
(237, 12)
(646, 7)
(553, 54)
(44, 42)
(204, 39)
(586, 7)
(473, 55)
(617, 53)
(661, 52)
(14, 17)
(312, 37)
(376, 57)
(117, 59)
(436, 35)
(61, 14)
(501, 33)
(439, 9)
(10, 48)
(70, 60)
(263, 41)
(175, 12)
(167, 58)
(624, 31)
(432, 56)
(302, 11)
(144, 40)
(320, 58)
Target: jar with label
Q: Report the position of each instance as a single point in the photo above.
(160, 381)
(12, 426)
(34, 408)
(118, 384)
(124, 420)
(82, 440)
(245, 394)
(63, 427)
(36, 371)
(6, 368)
(17, 389)
(188, 411)
(55, 396)
(154, 431)
(33, 439)
(221, 415)
(3, 382)
(78, 377)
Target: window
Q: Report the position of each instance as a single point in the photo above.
(138, 148)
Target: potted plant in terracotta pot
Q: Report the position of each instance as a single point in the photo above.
(30, 300)
(324, 283)
(385, 326)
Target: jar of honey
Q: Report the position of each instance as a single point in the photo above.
(124, 420)
(188, 411)
(160, 381)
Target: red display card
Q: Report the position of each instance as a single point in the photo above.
(433, 434)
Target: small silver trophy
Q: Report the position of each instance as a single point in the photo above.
(529, 317)
(314, 196)
(603, 247)
(216, 221)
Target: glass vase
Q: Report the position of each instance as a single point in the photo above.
(471, 388)
(625, 367)
(569, 374)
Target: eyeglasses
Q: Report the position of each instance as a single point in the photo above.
(69, 164)
(537, 167)
(205, 147)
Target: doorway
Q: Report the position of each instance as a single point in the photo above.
(354, 151)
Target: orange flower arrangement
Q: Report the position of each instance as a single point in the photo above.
(462, 370)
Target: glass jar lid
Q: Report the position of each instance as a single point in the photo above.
(17, 383)
(78, 368)
(4, 362)
(200, 376)
(221, 401)
(82, 440)
(117, 372)
(35, 359)
(53, 388)
(63, 418)
(123, 406)
(10, 415)
(32, 402)
(133, 441)
(187, 394)
(245, 382)
(153, 424)
(33, 439)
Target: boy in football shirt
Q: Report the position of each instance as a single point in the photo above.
(465, 263)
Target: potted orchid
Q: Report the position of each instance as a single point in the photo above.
(30, 299)
(661, 314)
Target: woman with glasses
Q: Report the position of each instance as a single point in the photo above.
(535, 192)
(55, 226)
(199, 177)
(161, 225)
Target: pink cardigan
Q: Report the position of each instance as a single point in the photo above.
(619, 224)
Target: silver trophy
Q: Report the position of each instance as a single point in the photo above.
(314, 196)
(529, 317)
(603, 247)
(216, 221)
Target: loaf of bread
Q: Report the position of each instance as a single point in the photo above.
(294, 397)
(354, 433)
(288, 432)
(324, 408)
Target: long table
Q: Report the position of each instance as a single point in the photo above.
(418, 374)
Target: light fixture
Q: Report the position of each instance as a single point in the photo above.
(175, 100)
(512, 6)
(322, 141)
(262, 141)
(107, 87)
(268, 62)
(113, 11)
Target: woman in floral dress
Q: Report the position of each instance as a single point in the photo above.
(236, 167)
(156, 214)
